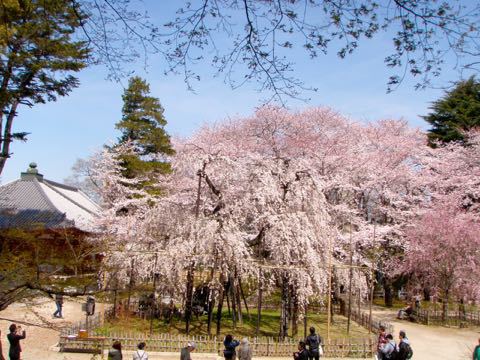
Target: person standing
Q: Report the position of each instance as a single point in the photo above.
(476, 351)
(382, 340)
(140, 354)
(185, 352)
(244, 351)
(302, 353)
(115, 353)
(59, 304)
(405, 351)
(1, 349)
(314, 342)
(230, 344)
(14, 339)
(389, 349)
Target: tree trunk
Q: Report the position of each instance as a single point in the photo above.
(284, 310)
(305, 320)
(211, 305)
(228, 301)
(188, 299)
(238, 298)
(259, 307)
(6, 138)
(130, 285)
(461, 310)
(426, 294)
(445, 307)
(294, 314)
(387, 287)
(220, 306)
(234, 302)
(243, 297)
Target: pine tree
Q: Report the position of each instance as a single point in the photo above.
(38, 52)
(143, 124)
(455, 113)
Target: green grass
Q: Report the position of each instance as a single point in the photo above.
(269, 325)
(397, 304)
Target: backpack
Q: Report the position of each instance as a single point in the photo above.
(140, 357)
(314, 343)
(392, 356)
(409, 351)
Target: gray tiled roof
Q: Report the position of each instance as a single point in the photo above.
(23, 204)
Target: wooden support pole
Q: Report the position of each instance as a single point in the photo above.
(259, 305)
(154, 289)
(130, 285)
(372, 279)
(329, 299)
(350, 283)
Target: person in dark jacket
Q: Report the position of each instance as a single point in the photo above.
(59, 304)
(115, 353)
(230, 345)
(302, 353)
(476, 351)
(403, 347)
(313, 341)
(185, 352)
(16, 334)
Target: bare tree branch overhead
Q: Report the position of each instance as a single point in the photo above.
(254, 41)
(245, 41)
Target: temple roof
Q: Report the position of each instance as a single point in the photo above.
(35, 202)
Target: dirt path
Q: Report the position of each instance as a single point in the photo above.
(429, 343)
(433, 342)
(41, 338)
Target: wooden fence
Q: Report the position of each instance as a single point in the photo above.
(363, 319)
(262, 346)
(454, 318)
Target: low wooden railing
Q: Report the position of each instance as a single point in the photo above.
(455, 318)
(262, 346)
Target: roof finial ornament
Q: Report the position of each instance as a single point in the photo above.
(32, 168)
(31, 173)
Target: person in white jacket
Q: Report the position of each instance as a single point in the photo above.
(389, 349)
(140, 353)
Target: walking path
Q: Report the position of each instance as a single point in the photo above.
(428, 343)
(433, 342)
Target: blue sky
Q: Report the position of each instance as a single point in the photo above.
(76, 125)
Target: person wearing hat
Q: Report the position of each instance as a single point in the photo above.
(185, 353)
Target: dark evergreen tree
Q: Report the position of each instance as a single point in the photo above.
(456, 112)
(38, 53)
(143, 124)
